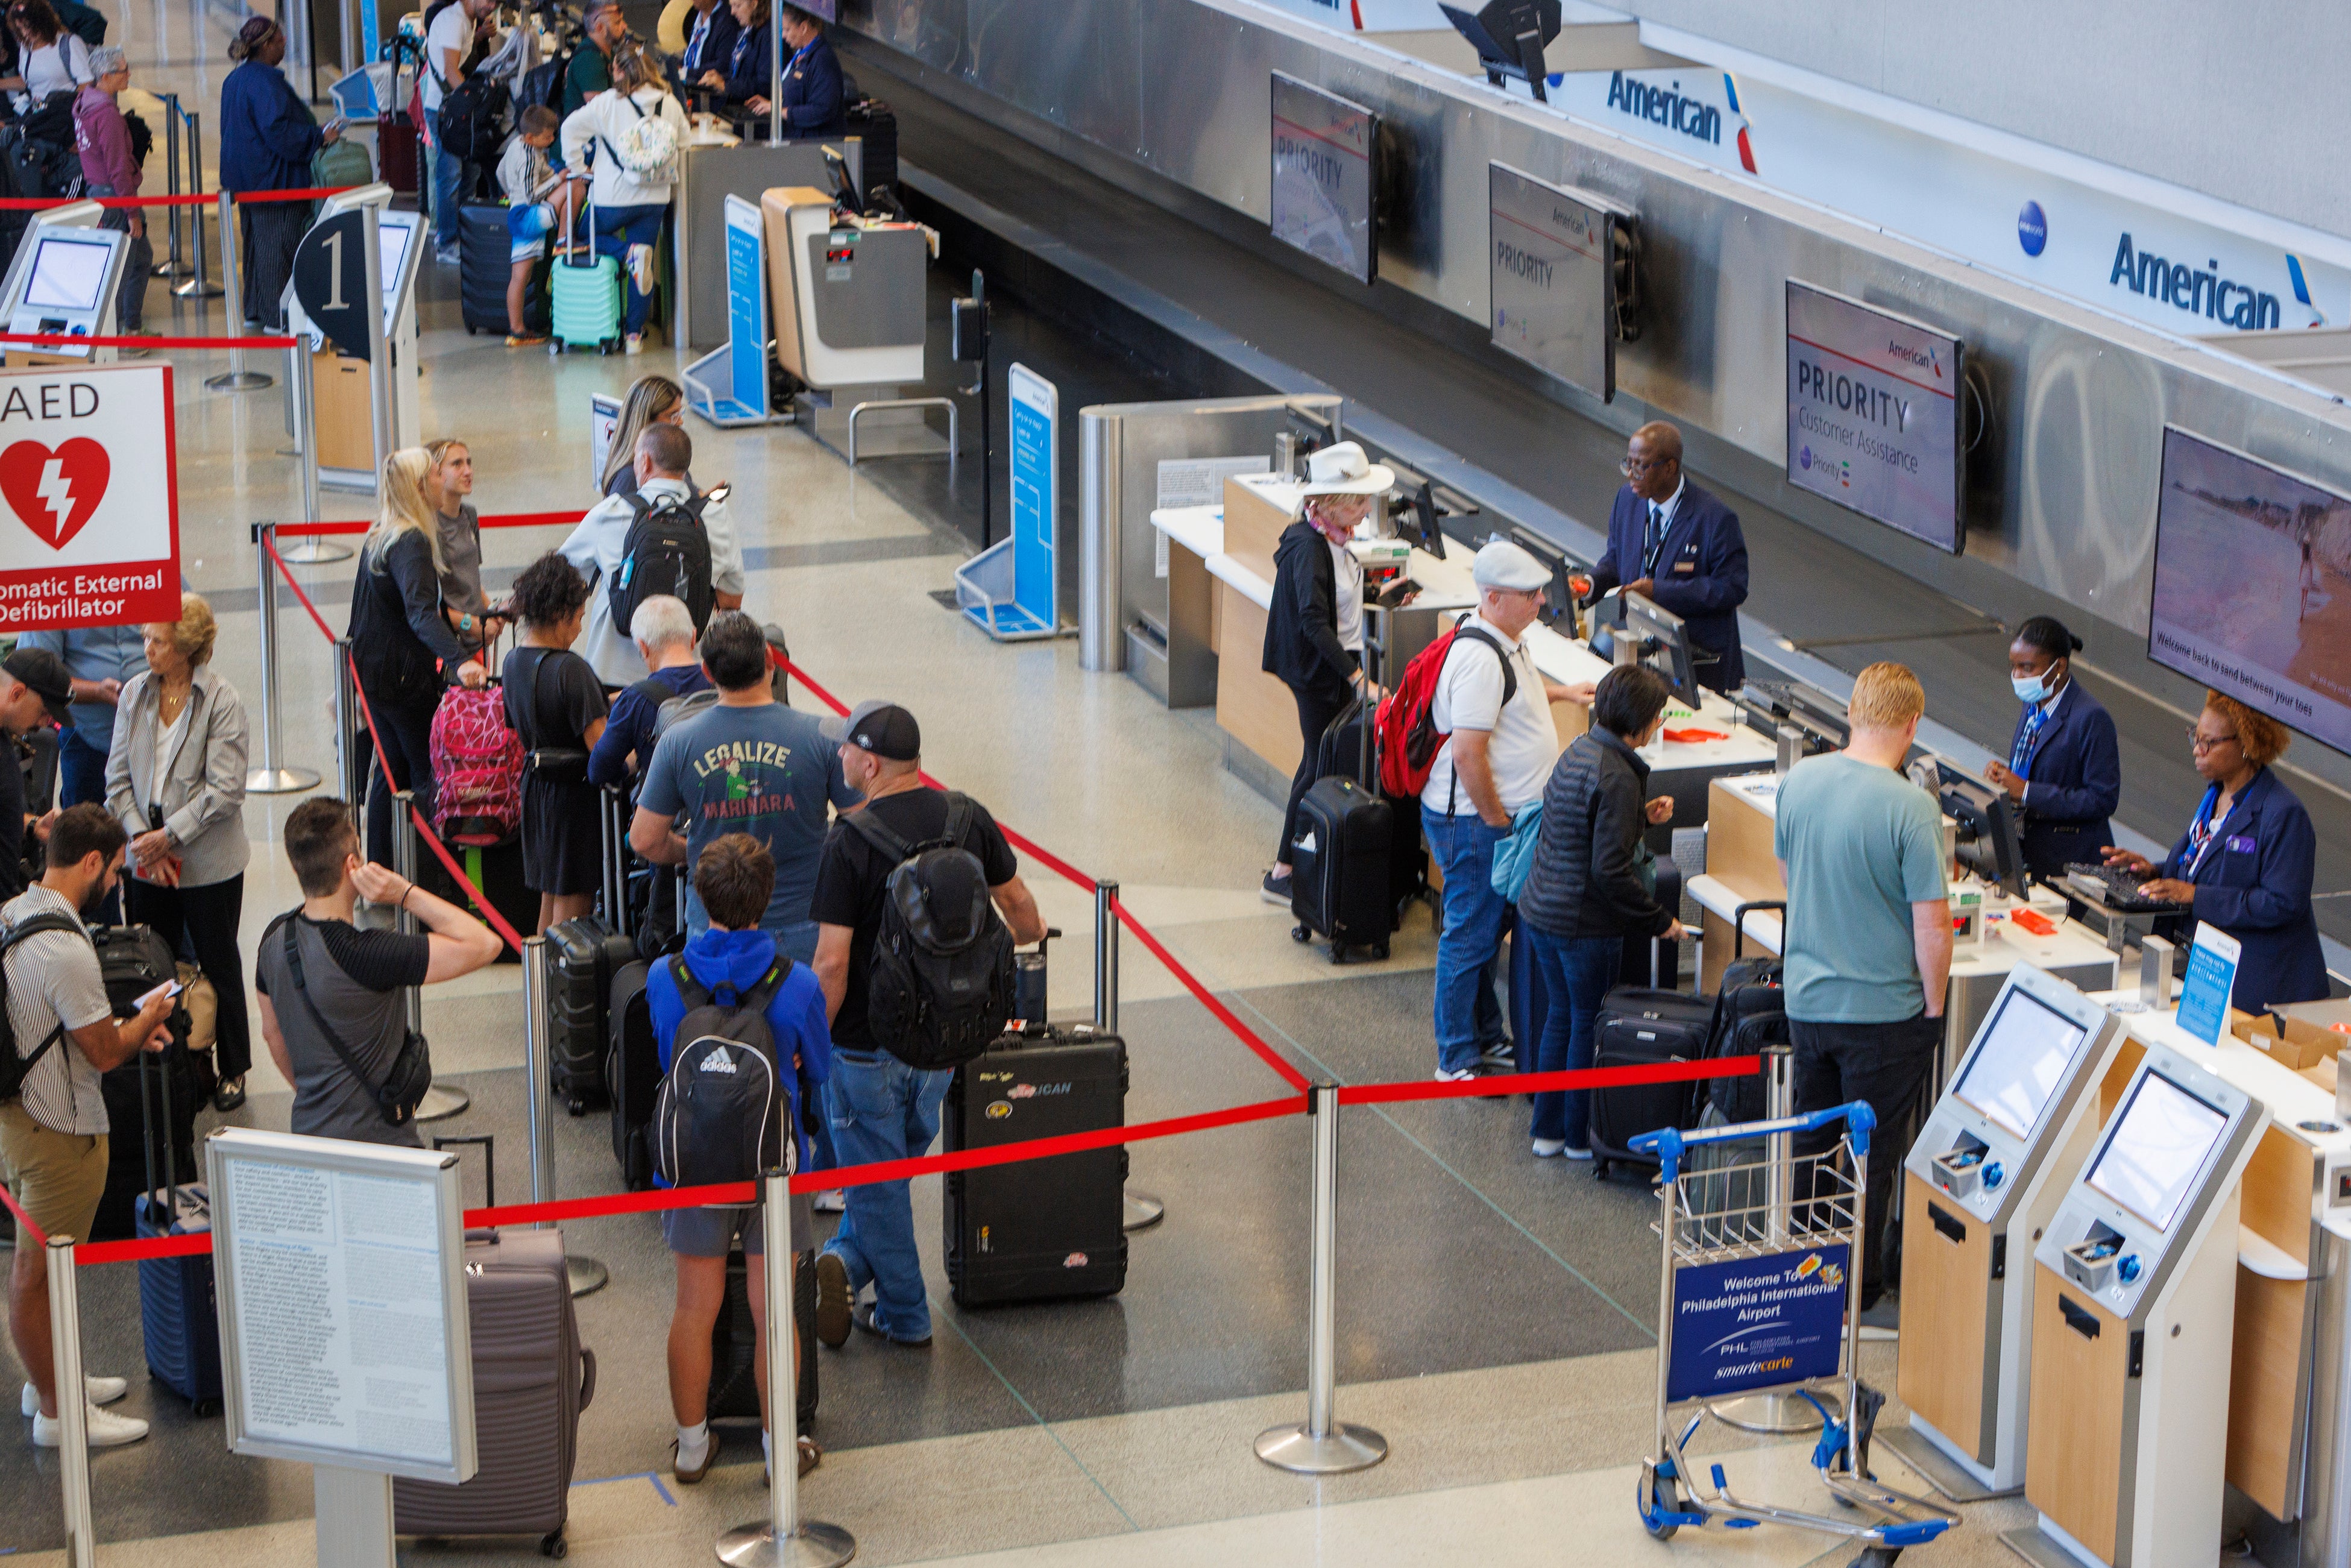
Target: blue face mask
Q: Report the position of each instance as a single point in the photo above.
(2031, 688)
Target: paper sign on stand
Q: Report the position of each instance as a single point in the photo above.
(604, 424)
(93, 533)
(2212, 977)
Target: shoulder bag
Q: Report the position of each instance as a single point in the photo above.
(397, 1097)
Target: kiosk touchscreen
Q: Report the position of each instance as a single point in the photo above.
(2134, 1294)
(62, 285)
(1986, 1172)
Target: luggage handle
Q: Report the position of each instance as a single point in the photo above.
(587, 1377)
(489, 1163)
(1739, 921)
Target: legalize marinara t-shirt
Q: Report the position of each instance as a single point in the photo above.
(764, 772)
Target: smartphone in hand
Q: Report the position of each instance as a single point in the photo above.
(168, 989)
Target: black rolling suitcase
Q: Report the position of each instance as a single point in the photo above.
(1749, 1013)
(631, 1073)
(1343, 860)
(485, 253)
(734, 1346)
(1043, 1229)
(587, 955)
(177, 1316)
(1641, 1028)
(134, 960)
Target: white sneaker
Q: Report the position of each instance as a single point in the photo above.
(636, 344)
(1550, 1148)
(107, 1430)
(102, 1391)
(831, 1201)
(1457, 1075)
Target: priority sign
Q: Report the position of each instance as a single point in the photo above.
(89, 484)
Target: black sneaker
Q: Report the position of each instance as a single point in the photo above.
(862, 1314)
(832, 1300)
(1275, 890)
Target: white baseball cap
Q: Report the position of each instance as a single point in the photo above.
(1343, 470)
(1501, 564)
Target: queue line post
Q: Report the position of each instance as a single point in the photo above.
(1140, 1211)
(271, 778)
(441, 1100)
(199, 287)
(237, 378)
(350, 768)
(172, 265)
(73, 1406)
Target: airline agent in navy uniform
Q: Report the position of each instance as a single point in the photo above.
(2247, 858)
(2062, 766)
(1675, 544)
(815, 103)
(709, 41)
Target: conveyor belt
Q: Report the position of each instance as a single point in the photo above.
(1392, 353)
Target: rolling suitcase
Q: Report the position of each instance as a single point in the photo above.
(1043, 1229)
(134, 960)
(586, 956)
(177, 1316)
(485, 262)
(1750, 1012)
(631, 1073)
(735, 1344)
(396, 151)
(1342, 869)
(1640, 1027)
(585, 296)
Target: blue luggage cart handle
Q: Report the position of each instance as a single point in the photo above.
(1669, 1143)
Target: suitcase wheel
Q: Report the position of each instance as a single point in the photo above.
(1299, 934)
(1380, 951)
(553, 1545)
(1599, 1170)
(206, 1408)
(1338, 952)
(576, 1105)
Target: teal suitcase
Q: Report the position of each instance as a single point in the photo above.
(586, 305)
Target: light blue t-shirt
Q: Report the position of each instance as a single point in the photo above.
(94, 654)
(761, 771)
(1862, 844)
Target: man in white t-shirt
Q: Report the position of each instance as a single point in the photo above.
(447, 44)
(1494, 708)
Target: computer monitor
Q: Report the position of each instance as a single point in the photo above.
(398, 252)
(1412, 507)
(1821, 719)
(2019, 1060)
(1662, 642)
(69, 273)
(1991, 841)
(1509, 36)
(2157, 1144)
(844, 189)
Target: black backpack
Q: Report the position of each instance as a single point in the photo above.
(666, 552)
(940, 985)
(719, 1113)
(84, 22)
(16, 1069)
(472, 119)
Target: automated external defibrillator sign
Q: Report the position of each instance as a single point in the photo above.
(89, 477)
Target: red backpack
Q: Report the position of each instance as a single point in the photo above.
(476, 769)
(1409, 737)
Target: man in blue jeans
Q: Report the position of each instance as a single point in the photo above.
(882, 1109)
(1494, 708)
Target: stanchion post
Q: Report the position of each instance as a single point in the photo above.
(784, 1540)
(442, 1101)
(351, 766)
(73, 1405)
(237, 378)
(271, 778)
(1140, 1211)
(172, 265)
(1323, 1446)
(1776, 1413)
(539, 1083)
(198, 287)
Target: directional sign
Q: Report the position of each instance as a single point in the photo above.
(330, 280)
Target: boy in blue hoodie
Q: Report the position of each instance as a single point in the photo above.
(730, 959)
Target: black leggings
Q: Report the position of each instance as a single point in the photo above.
(407, 733)
(272, 231)
(1315, 712)
(207, 917)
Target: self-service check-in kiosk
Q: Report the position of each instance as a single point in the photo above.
(62, 283)
(2134, 1305)
(343, 390)
(2004, 1142)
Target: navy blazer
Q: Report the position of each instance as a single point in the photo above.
(815, 103)
(268, 137)
(749, 65)
(2074, 781)
(1701, 573)
(2254, 884)
(716, 49)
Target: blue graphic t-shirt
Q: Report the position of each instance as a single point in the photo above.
(761, 771)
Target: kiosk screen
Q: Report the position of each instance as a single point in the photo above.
(67, 275)
(392, 243)
(2159, 1144)
(2025, 1051)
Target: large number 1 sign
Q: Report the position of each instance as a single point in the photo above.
(92, 532)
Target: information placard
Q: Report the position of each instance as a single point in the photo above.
(1873, 414)
(1325, 183)
(604, 424)
(1756, 1322)
(93, 530)
(2211, 979)
(341, 1289)
(1035, 493)
(1553, 278)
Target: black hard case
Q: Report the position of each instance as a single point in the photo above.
(1641, 1028)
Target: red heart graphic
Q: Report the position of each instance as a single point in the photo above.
(54, 492)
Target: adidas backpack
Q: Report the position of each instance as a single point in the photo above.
(476, 769)
(666, 552)
(718, 1114)
(940, 985)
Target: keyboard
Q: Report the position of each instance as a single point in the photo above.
(2117, 889)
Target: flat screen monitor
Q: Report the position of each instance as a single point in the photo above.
(68, 274)
(2253, 586)
(1552, 275)
(1873, 414)
(2025, 1048)
(1664, 644)
(1326, 177)
(2159, 1141)
(1992, 830)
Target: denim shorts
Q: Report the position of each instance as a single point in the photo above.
(715, 1232)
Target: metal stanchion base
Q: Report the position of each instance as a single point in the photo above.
(1143, 1211)
(588, 1277)
(239, 381)
(1767, 1413)
(815, 1545)
(280, 781)
(1939, 1468)
(1344, 1449)
(313, 550)
(191, 289)
(440, 1102)
(171, 269)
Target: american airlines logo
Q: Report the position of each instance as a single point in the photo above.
(1925, 359)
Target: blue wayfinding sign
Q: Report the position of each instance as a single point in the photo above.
(1036, 455)
(746, 314)
(1757, 1322)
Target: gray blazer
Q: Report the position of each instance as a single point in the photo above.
(203, 794)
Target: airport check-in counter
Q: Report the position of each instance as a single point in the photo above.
(846, 295)
(2003, 1145)
(1220, 575)
(707, 174)
(2134, 1302)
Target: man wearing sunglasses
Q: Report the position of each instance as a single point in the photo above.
(1673, 543)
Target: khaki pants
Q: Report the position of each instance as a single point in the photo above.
(58, 1176)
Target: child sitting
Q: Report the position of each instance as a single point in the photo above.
(524, 176)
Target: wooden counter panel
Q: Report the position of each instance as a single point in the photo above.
(1946, 1301)
(1571, 719)
(2073, 1453)
(2265, 1367)
(1739, 846)
(1252, 528)
(2279, 1183)
(344, 409)
(1253, 706)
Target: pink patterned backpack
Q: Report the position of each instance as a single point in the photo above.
(476, 769)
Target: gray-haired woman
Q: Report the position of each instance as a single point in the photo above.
(109, 170)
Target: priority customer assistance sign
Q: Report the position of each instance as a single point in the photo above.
(88, 478)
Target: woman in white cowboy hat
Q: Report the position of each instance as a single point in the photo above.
(1314, 630)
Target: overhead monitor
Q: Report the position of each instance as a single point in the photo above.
(2159, 1141)
(2252, 585)
(2019, 1060)
(1552, 266)
(69, 273)
(1873, 414)
(1326, 177)
(1509, 36)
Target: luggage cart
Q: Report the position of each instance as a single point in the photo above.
(1761, 1293)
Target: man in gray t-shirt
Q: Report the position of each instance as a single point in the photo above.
(351, 986)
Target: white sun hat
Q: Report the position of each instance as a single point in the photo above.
(1343, 470)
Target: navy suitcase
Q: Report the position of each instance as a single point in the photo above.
(631, 1073)
(176, 1312)
(1641, 1028)
(485, 262)
(1343, 861)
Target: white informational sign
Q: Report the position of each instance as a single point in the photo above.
(344, 1333)
(92, 496)
(1873, 414)
(1552, 281)
(1325, 177)
(1194, 482)
(604, 424)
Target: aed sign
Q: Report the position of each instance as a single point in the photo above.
(89, 475)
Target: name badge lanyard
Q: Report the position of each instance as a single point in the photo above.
(1655, 552)
(2204, 832)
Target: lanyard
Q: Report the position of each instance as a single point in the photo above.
(2204, 830)
(1656, 547)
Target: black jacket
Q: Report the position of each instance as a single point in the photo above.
(1583, 882)
(1302, 627)
(399, 636)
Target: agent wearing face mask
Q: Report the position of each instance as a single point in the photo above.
(2063, 764)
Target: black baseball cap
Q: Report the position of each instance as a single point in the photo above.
(46, 674)
(884, 728)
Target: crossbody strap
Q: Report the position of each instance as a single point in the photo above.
(294, 964)
(34, 926)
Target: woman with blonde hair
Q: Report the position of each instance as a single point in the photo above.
(406, 649)
(651, 400)
(447, 483)
(176, 780)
